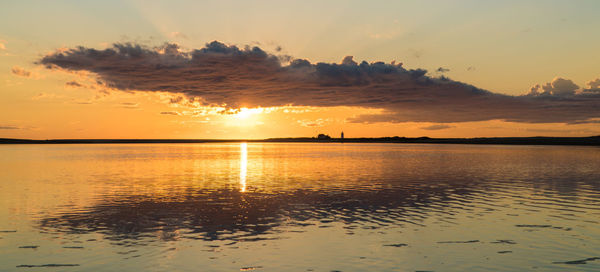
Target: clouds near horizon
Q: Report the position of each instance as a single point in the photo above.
(558, 87)
(229, 76)
(594, 84)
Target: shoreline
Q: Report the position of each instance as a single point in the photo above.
(584, 141)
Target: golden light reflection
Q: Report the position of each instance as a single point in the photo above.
(243, 166)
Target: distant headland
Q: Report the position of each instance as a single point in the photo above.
(590, 141)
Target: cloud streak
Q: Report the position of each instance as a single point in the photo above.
(18, 71)
(437, 127)
(233, 77)
(9, 127)
(73, 84)
(313, 123)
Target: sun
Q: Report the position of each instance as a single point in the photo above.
(245, 117)
(245, 113)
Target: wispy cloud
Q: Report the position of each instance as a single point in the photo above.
(170, 113)
(129, 105)
(46, 96)
(232, 77)
(13, 127)
(437, 127)
(442, 70)
(73, 84)
(22, 72)
(314, 123)
(18, 71)
(9, 127)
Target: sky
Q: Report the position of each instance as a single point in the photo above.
(262, 69)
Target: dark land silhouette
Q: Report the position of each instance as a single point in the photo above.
(591, 141)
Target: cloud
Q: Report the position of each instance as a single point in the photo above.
(558, 86)
(594, 84)
(170, 113)
(18, 71)
(584, 122)
(442, 70)
(233, 77)
(313, 123)
(45, 96)
(437, 127)
(129, 105)
(73, 84)
(561, 131)
(9, 127)
(21, 72)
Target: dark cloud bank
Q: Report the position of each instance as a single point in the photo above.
(219, 74)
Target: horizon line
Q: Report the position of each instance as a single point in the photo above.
(536, 140)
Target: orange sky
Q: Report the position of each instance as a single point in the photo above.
(183, 87)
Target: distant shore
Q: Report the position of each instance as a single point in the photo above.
(591, 141)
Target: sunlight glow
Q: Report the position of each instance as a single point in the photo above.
(243, 166)
(245, 113)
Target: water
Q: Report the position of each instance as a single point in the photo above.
(299, 207)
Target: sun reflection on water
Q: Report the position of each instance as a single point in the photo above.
(178, 207)
(243, 166)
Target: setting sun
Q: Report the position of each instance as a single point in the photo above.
(245, 113)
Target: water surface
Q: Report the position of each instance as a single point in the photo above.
(299, 207)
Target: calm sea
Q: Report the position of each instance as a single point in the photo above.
(299, 207)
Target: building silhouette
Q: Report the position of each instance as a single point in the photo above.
(323, 137)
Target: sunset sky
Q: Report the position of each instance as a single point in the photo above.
(261, 69)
